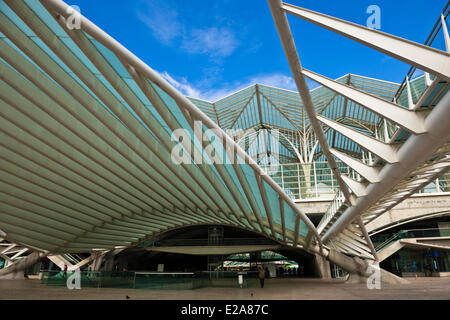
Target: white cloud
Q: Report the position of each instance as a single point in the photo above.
(276, 80)
(182, 85)
(166, 26)
(162, 21)
(216, 42)
(212, 94)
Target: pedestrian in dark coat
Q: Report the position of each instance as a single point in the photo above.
(261, 275)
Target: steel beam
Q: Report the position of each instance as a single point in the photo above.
(293, 58)
(410, 120)
(412, 154)
(383, 150)
(61, 8)
(423, 57)
(370, 173)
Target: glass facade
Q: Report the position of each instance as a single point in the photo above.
(409, 263)
(308, 181)
(316, 180)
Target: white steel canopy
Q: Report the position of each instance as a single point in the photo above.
(87, 134)
(86, 140)
(404, 162)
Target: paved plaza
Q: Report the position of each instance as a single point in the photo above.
(275, 289)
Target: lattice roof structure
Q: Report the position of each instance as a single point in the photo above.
(88, 133)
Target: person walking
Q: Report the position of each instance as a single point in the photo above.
(261, 275)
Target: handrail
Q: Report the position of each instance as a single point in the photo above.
(406, 234)
(386, 242)
(207, 242)
(428, 42)
(334, 207)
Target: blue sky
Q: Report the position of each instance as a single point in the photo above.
(208, 49)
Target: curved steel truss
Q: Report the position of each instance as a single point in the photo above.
(86, 138)
(400, 163)
(88, 133)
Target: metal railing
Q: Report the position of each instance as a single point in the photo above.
(265, 255)
(440, 185)
(413, 92)
(414, 233)
(335, 206)
(311, 181)
(150, 280)
(204, 242)
(437, 27)
(315, 181)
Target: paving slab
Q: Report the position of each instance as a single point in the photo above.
(275, 289)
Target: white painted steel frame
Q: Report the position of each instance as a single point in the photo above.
(428, 133)
(129, 213)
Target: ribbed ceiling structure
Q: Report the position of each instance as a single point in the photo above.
(261, 107)
(86, 139)
(406, 139)
(89, 133)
